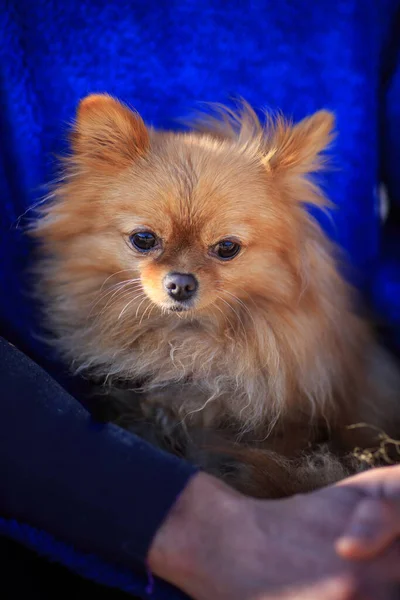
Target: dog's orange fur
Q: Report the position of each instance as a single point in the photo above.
(273, 337)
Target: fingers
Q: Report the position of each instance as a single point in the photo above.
(386, 480)
(374, 525)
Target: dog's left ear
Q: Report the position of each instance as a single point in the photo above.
(107, 134)
(297, 148)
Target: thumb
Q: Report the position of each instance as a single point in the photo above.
(374, 525)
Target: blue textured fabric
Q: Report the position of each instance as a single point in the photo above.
(163, 56)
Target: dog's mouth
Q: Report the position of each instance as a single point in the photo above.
(179, 308)
(168, 306)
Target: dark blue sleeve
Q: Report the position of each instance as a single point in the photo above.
(97, 487)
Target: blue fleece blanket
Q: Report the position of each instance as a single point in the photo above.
(163, 56)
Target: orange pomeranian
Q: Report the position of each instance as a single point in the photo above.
(186, 266)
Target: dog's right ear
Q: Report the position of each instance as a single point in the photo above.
(108, 134)
(298, 149)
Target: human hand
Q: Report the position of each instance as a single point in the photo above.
(219, 545)
(375, 523)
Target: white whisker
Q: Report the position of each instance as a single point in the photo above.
(242, 304)
(226, 318)
(122, 286)
(138, 308)
(152, 308)
(143, 315)
(130, 302)
(118, 273)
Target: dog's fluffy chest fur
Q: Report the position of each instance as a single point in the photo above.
(202, 372)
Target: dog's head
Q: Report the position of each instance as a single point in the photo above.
(194, 221)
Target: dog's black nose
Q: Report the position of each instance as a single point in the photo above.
(180, 286)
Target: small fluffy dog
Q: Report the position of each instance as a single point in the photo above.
(184, 273)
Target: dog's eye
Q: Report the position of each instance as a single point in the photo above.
(226, 249)
(143, 241)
